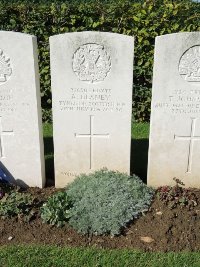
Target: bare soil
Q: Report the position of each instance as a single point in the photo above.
(160, 229)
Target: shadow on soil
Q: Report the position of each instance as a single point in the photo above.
(139, 158)
(49, 161)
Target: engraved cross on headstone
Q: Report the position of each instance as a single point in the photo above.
(191, 138)
(91, 135)
(3, 133)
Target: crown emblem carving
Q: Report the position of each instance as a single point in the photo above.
(91, 62)
(189, 65)
(5, 68)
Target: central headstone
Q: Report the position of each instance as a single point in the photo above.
(174, 145)
(92, 99)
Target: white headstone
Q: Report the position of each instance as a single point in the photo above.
(21, 142)
(174, 145)
(92, 100)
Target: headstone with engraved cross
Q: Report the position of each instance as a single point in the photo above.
(92, 100)
(21, 142)
(174, 144)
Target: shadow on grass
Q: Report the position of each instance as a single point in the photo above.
(49, 161)
(139, 158)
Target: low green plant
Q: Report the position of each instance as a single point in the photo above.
(56, 210)
(6, 188)
(1, 193)
(174, 196)
(106, 201)
(18, 204)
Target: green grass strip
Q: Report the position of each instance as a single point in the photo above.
(47, 129)
(51, 256)
(140, 130)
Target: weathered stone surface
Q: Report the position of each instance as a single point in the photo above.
(21, 142)
(174, 149)
(92, 99)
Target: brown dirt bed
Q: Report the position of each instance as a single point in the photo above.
(166, 230)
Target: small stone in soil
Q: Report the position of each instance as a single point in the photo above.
(147, 239)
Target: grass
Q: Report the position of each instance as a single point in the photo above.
(51, 256)
(48, 140)
(49, 152)
(139, 149)
(140, 130)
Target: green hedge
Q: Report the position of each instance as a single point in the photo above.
(143, 19)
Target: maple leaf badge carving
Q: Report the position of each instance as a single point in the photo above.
(5, 68)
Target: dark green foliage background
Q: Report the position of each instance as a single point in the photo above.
(143, 19)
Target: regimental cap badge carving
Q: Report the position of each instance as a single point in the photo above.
(5, 68)
(189, 65)
(91, 62)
